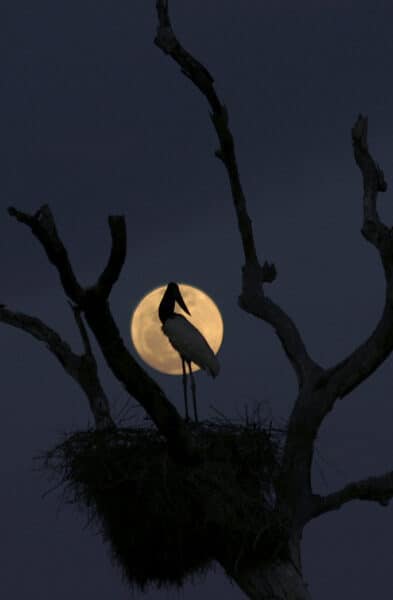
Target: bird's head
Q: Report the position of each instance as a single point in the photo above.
(174, 293)
(171, 295)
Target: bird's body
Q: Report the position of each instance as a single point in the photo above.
(186, 340)
(190, 344)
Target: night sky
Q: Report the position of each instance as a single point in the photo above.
(96, 120)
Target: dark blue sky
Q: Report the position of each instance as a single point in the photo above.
(95, 120)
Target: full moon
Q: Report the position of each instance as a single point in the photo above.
(151, 343)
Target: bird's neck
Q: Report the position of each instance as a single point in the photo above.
(166, 308)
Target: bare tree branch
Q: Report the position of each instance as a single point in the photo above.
(82, 369)
(374, 489)
(293, 482)
(82, 329)
(367, 357)
(253, 299)
(256, 303)
(318, 388)
(93, 302)
(200, 76)
(43, 333)
(44, 228)
(117, 256)
(315, 403)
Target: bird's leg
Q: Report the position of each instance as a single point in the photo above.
(183, 364)
(193, 390)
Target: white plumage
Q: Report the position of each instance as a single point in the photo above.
(190, 344)
(186, 340)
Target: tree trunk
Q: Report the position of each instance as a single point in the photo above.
(279, 580)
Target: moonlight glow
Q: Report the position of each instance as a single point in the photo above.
(151, 343)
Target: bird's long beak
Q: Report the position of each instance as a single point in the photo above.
(180, 301)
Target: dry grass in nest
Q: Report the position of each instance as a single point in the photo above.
(165, 522)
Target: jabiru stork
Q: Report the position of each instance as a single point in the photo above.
(186, 340)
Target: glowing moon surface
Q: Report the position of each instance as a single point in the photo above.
(151, 343)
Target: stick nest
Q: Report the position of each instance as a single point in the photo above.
(165, 522)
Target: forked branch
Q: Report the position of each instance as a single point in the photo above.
(319, 389)
(93, 302)
(340, 380)
(366, 358)
(82, 368)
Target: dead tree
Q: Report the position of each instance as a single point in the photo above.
(318, 388)
(268, 569)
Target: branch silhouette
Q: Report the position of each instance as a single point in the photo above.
(82, 368)
(373, 489)
(253, 298)
(93, 303)
(319, 388)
